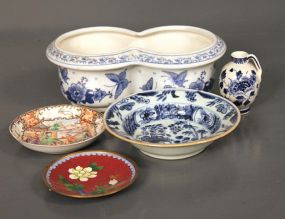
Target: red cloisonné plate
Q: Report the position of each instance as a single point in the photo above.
(90, 174)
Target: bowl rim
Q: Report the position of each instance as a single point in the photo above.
(108, 61)
(144, 33)
(185, 144)
(46, 168)
(57, 146)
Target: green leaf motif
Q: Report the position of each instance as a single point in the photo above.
(62, 179)
(48, 140)
(74, 187)
(69, 186)
(55, 127)
(95, 167)
(99, 190)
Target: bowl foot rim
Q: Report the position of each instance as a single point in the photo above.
(173, 157)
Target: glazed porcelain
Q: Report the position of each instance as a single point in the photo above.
(240, 80)
(57, 129)
(100, 65)
(90, 174)
(171, 124)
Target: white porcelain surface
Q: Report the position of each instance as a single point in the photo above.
(172, 153)
(173, 123)
(99, 65)
(240, 80)
(61, 149)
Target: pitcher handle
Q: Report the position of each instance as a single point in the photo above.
(255, 61)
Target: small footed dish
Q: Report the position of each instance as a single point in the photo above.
(90, 174)
(173, 123)
(57, 129)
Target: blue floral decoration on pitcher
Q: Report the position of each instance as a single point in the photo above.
(244, 86)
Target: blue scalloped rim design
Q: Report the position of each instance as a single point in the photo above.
(139, 56)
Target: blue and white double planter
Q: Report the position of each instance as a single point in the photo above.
(99, 65)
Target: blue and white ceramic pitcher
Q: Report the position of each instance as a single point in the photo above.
(240, 80)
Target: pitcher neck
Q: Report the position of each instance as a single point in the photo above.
(239, 57)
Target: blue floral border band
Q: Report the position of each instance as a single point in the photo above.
(136, 56)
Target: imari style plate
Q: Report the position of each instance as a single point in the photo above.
(90, 174)
(57, 129)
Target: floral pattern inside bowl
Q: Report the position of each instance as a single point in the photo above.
(171, 118)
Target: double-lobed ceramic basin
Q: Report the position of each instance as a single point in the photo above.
(99, 65)
(173, 123)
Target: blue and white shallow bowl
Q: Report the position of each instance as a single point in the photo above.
(172, 123)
